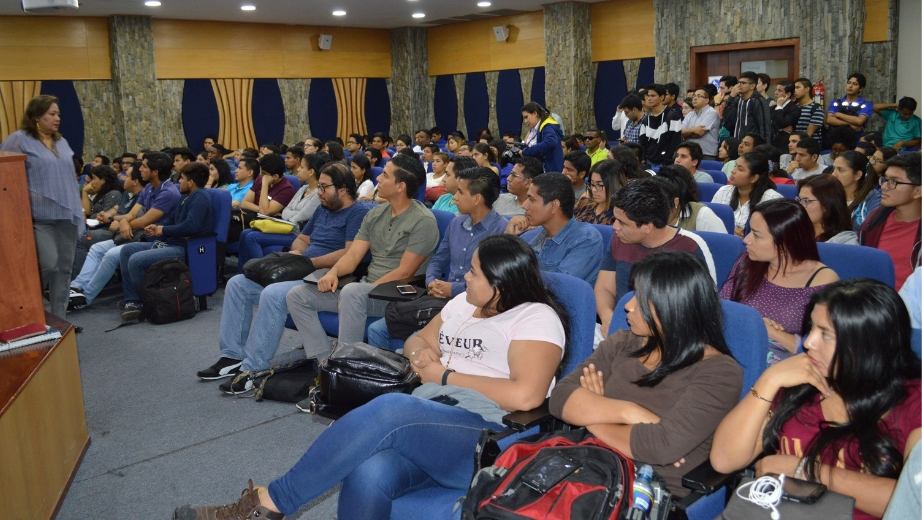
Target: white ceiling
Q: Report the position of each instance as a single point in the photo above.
(383, 14)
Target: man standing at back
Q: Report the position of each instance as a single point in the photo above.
(852, 109)
(748, 113)
(661, 128)
(702, 125)
(811, 113)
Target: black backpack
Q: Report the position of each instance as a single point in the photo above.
(167, 292)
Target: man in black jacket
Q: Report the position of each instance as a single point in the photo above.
(748, 113)
(784, 116)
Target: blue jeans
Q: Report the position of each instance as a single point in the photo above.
(136, 258)
(392, 446)
(378, 335)
(253, 241)
(254, 344)
(101, 263)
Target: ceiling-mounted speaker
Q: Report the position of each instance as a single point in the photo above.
(48, 6)
(501, 32)
(325, 41)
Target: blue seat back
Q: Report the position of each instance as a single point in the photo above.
(851, 261)
(443, 218)
(375, 171)
(917, 342)
(383, 162)
(744, 332)
(421, 193)
(788, 191)
(710, 165)
(202, 253)
(221, 206)
(725, 249)
(578, 298)
(706, 190)
(607, 233)
(295, 181)
(724, 213)
(718, 176)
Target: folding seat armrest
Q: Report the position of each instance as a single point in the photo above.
(706, 479)
(523, 420)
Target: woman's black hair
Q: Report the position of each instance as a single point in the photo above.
(612, 176)
(758, 165)
(733, 148)
(335, 151)
(485, 149)
(870, 369)
(315, 161)
(630, 166)
(110, 180)
(407, 140)
(224, 174)
(830, 195)
(858, 162)
(511, 267)
(535, 108)
(888, 152)
(362, 162)
(375, 155)
(774, 158)
(684, 183)
(676, 286)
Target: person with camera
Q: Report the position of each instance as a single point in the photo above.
(543, 140)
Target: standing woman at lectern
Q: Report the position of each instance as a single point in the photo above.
(57, 214)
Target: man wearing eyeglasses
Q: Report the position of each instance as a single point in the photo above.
(896, 226)
(702, 125)
(748, 113)
(594, 148)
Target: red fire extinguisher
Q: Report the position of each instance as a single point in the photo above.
(819, 93)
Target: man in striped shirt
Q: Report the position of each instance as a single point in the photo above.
(812, 116)
(661, 129)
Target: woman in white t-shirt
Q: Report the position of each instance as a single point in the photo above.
(749, 185)
(361, 170)
(493, 349)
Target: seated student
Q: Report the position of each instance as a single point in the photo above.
(576, 166)
(657, 391)
(271, 201)
(477, 189)
(401, 235)
(846, 412)
(518, 183)
(107, 230)
(841, 139)
(749, 184)
(380, 142)
(293, 156)
(485, 156)
(247, 344)
(246, 172)
(903, 130)
(436, 174)
(455, 165)
(824, 199)
(361, 170)
(788, 158)
(219, 174)
(155, 203)
(895, 226)
(778, 272)
(689, 155)
(867, 149)
(728, 152)
(775, 171)
(374, 156)
(872, 137)
(859, 180)
(630, 166)
(192, 216)
(466, 150)
(102, 184)
(563, 244)
(428, 154)
(298, 211)
(454, 144)
(687, 213)
(181, 157)
(523, 331)
(641, 229)
(403, 141)
(605, 179)
(806, 156)
(880, 158)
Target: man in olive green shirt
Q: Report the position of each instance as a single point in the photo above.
(401, 235)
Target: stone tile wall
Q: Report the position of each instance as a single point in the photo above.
(411, 95)
(294, 99)
(101, 128)
(568, 62)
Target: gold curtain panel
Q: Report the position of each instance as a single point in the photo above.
(14, 96)
(235, 111)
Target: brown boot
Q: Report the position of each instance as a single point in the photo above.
(247, 508)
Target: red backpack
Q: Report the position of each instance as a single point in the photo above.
(557, 475)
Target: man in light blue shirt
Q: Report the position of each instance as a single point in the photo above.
(244, 177)
(563, 244)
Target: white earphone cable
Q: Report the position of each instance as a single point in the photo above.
(765, 492)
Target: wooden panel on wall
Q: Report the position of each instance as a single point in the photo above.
(14, 96)
(465, 47)
(235, 112)
(77, 47)
(877, 21)
(350, 104)
(622, 30)
(194, 49)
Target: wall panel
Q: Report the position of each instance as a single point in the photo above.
(877, 21)
(195, 49)
(77, 46)
(623, 29)
(471, 46)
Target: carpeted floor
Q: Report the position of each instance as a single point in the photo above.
(160, 436)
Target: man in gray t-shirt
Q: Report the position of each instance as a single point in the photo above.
(401, 236)
(510, 204)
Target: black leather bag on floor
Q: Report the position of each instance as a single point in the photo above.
(405, 318)
(277, 267)
(356, 373)
(289, 383)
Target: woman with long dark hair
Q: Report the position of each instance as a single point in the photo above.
(778, 272)
(335, 151)
(361, 170)
(657, 392)
(485, 157)
(494, 348)
(859, 180)
(728, 153)
(102, 183)
(688, 213)
(219, 174)
(543, 140)
(605, 179)
(778, 175)
(845, 413)
(750, 183)
(880, 158)
(824, 199)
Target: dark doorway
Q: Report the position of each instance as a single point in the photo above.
(780, 59)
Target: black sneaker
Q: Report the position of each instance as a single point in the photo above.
(240, 384)
(225, 367)
(76, 300)
(132, 311)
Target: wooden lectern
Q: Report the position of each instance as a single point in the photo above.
(43, 435)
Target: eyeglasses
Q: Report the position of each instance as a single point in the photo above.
(590, 138)
(596, 186)
(804, 202)
(323, 187)
(893, 183)
(745, 83)
(699, 96)
(516, 176)
(875, 160)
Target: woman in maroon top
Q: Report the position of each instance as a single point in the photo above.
(846, 413)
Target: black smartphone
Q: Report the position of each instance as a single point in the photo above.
(406, 289)
(445, 399)
(544, 476)
(801, 491)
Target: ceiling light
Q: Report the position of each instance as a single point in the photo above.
(152, 3)
(247, 7)
(484, 4)
(339, 13)
(419, 15)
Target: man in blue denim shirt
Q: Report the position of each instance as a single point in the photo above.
(563, 244)
(478, 189)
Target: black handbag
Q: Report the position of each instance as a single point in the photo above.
(277, 267)
(403, 318)
(356, 373)
(289, 383)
